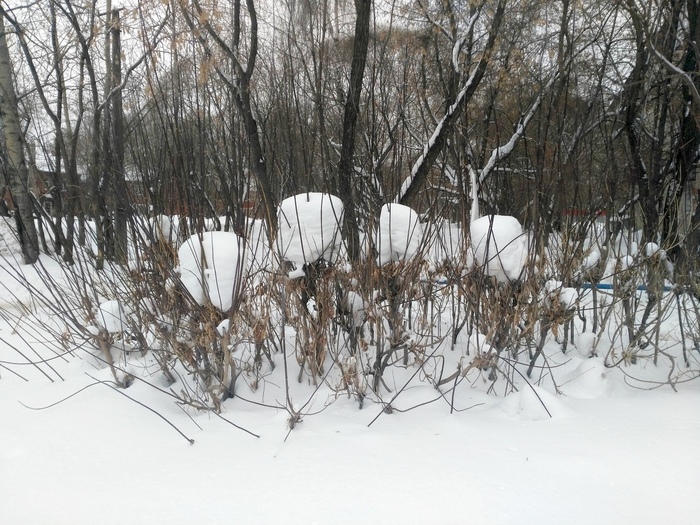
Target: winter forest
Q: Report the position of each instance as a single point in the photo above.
(416, 226)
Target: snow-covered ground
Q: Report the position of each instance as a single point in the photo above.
(625, 457)
(606, 449)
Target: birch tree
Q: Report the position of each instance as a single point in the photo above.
(15, 147)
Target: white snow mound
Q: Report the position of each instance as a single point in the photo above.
(567, 297)
(163, 228)
(499, 246)
(587, 381)
(356, 305)
(585, 341)
(113, 316)
(529, 404)
(9, 244)
(400, 234)
(211, 267)
(309, 228)
(590, 261)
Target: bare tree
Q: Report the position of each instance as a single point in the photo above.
(239, 83)
(15, 147)
(346, 170)
(455, 105)
(661, 116)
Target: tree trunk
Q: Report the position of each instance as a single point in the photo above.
(18, 173)
(121, 200)
(646, 182)
(241, 90)
(419, 173)
(687, 156)
(363, 9)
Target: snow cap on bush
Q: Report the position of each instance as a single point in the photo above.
(211, 265)
(499, 246)
(113, 316)
(309, 228)
(400, 234)
(557, 293)
(163, 228)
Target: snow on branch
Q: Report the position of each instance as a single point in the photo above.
(438, 139)
(459, 43)
(449, 114)
(506, 149)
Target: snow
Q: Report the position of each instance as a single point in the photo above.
(590, 261)
(164, 227)
(534, 404)
(589, 380)
(309, 229)
(585, 343)
(499, 246)
(356, 306)
(211, 266)
(653, 251)
(578, 443)
(9, 244)
(100, 458)
(477, 344)
(113, 316)
(400, 234)
(564, 296)
(626, 262)
(650, 249)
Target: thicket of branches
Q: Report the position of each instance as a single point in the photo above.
(205, 109)
(215, 111)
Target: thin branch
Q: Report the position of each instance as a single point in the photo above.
(111, 385)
